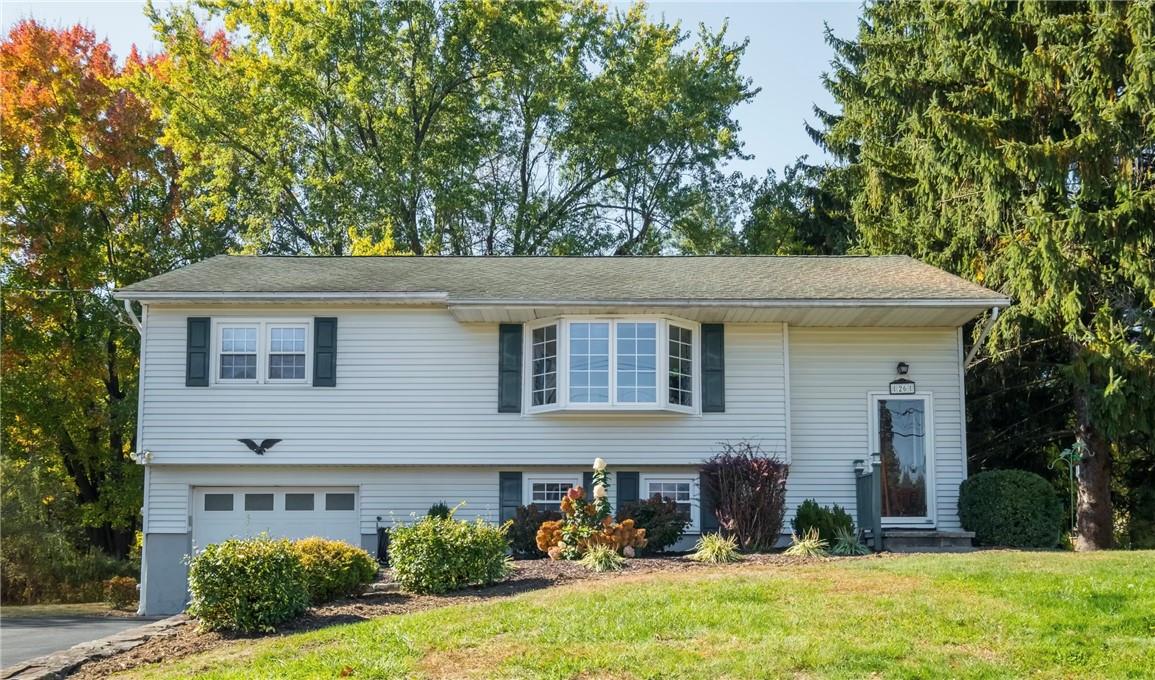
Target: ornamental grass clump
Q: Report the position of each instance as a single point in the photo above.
(716, 549)
(586, 523)
(601, 558)
(846, 543)
(809, 545)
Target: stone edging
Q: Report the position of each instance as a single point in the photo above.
(60, 664)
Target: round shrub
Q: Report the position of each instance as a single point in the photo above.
(120, 592)
(522, 530)
(247, 585)
(660, 517)
(334, 569)
(439, 554)
(1013, 508)
(828, 522)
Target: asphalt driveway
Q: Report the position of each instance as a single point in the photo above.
(23, 638)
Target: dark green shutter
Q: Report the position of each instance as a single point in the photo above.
(588, 485)
(627, 488)
(196, 367)
(713, 368)
(509, 494)
(509, 368)
(708, 522)
(325, 352)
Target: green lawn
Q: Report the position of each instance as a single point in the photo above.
(987, 614)
(78, 609)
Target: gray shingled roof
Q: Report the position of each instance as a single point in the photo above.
(575, 279)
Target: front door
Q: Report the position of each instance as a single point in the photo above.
(901, 429)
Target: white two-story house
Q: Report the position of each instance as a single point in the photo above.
(393, 383)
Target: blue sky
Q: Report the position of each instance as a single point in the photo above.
(785, 57)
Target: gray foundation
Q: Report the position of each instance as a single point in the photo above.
(164, 582)
(369, 543)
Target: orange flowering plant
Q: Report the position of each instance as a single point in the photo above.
(586, 523)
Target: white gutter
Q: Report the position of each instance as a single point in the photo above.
(177, 296)
(686, 302)
(982, 336)
(133, 317)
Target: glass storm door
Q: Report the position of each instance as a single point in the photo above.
(902, 435)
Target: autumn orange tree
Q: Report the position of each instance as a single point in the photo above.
(88, 202)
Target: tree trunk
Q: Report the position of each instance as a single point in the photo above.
(1093, 519)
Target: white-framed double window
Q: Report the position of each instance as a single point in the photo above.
(547, 490)
(599, 363)
(682, 489)
(261, 351)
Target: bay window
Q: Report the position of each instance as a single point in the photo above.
(620, 363)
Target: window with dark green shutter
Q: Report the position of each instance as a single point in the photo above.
(713, 368)
(196, 372)
(509, 368)
(627, 483)
(325, 352)
(509, 494)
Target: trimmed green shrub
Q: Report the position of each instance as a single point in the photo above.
(660, 517)
(334, 569)
(437, 555)
(601, 558)
(716, 549)
(1013, 508)
(247, 585)
(120, 592)
(826, 521)
(439, 510)
(522, 532)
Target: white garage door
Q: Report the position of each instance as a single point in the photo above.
(220, 513)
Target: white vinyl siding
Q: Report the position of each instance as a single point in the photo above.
(832, 373)
(393, 494)
(415, 386)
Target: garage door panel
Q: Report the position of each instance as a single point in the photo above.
(220, 513)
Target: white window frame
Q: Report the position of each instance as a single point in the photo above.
(873, 398)
(546, 478)
(268, 353)
(662, 365)
(644, 480)
(263, 327)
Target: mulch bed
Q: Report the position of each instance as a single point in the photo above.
(528, 575)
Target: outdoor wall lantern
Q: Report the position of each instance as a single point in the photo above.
(903, 368)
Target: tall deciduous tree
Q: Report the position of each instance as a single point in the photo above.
(88, 202)
(454, 127)
(1014, 144)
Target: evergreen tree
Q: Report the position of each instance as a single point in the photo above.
(1014, 144)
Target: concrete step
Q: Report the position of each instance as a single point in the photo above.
(927, 540)
(381, 587)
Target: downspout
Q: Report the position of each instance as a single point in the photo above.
(133, 317)
(969, 361)
(141, 459)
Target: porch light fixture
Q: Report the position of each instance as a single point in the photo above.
(903, 368)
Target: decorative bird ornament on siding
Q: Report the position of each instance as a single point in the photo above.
(259, 449)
